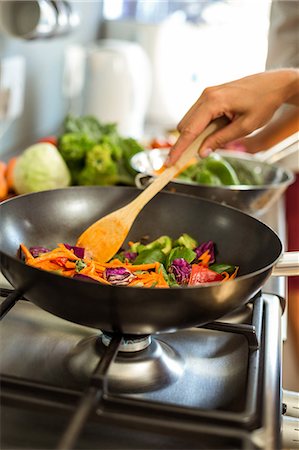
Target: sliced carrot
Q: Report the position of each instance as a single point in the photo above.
(225, 276)
(3, 188)
(205, 258)
(140, 267)
(10, 173)
(3, 168)
(3, 182)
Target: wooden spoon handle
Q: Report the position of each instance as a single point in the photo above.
(162, 180)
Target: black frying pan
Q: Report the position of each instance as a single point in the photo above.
(49, 217)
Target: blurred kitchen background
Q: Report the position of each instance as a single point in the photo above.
(138, 63)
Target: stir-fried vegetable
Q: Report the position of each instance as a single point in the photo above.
(161, 263)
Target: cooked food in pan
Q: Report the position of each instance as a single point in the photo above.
(161, 263)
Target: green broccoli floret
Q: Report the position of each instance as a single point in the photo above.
(82, 147)
(73, 146)
(114, 142)
(100, 169)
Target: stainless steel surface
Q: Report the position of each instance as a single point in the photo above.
(291, 401)
(290, 432)
(269, 436)
(155, 367)
(287, 265)
(43, 347)
(37, 19)
(275, 218)
(252, 199)
(129, 344)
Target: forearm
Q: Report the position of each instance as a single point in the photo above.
(282, 125)
(290, 85)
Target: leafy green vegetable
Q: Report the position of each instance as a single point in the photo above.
(88, 126)
(181, 252)
(213, 170)
(95, 153)
(207, 177)
(219, 268)
(169, 277)
(150, 256)
(221, 169)
(40, 167)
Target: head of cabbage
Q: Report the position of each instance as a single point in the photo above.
(40, 167)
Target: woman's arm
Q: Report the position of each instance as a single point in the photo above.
(249, 103)
(280, 127)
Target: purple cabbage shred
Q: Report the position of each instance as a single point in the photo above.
(118, 276)
(130, 255)
(37, 251)
(202, 248)
(78, 251)
(181, 270)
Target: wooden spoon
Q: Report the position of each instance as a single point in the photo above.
(104, 238)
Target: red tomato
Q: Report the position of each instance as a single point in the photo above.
(160, 143)
(200, 274)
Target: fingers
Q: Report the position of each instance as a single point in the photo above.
(237, 128)
(234, 130)
(189, 132)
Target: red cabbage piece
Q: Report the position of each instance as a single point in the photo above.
(209, 245)
(78, 251)
(118, 276)
(130, 255)
(37, 251)
(181, 270)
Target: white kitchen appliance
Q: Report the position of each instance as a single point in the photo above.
(118, 84)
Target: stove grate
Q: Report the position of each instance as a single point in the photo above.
(97, 403)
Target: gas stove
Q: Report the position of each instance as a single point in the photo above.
(69, 386)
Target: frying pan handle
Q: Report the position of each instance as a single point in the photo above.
(287, 265)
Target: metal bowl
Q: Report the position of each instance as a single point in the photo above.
(255, 199)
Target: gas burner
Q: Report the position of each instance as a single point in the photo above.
(128, 343)
(142, 364)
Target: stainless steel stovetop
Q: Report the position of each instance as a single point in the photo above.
(196, 388)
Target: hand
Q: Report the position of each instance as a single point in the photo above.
(249, 103)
